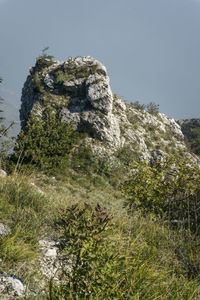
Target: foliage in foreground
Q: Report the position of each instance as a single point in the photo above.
(123, 258)
(110, 255)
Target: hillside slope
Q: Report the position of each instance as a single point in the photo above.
(103, 206)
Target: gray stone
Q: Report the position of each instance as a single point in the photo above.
(4, 229)
(109, 122)
(12, 287)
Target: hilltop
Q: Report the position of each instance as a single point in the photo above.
(101, 200)
(80, 89)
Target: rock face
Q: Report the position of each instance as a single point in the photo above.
(80, 88)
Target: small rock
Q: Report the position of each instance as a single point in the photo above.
(3, 173)
(4, 229)
(37, 188)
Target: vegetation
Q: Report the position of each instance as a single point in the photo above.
(82, 231)
(125, 229)
(106, 253)
(192, 135)
(151, 107)
(170, 189)
(44, 60)
(45, 142)
(72, 72)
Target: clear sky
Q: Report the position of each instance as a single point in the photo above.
(151, 48)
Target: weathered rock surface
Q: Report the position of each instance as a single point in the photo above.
(12, 287)
(49, 259)
(80, 87)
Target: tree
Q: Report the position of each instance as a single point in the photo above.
(45, 142)
(152, 108)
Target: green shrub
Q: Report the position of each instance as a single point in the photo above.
(82, 232)
(37, 85)
(126, 258)
(72, 72)
(44, 61)
(45, 142)
(138, 105)
(152, 108)
(85, 161)
(170, 189)
(193, 140)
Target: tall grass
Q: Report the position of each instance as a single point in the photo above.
(141, 257)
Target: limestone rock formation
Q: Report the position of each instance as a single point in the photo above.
(12, 287)
(80, 88)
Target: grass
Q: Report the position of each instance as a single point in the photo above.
(151, 260)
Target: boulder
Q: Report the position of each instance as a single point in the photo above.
(80, 88)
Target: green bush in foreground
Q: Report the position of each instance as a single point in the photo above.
(126, 258)
(85, 248)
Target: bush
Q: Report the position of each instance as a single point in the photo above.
(138, 105)
(37, 85)
(194, 140)
(44, 61)
(85, 248)
(152, 108)
(45, 142)
(169, 189)
(84, 160)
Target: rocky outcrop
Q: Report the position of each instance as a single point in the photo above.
(12, 287)
(80, 88)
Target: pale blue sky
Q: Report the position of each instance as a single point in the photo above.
(151, 48)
